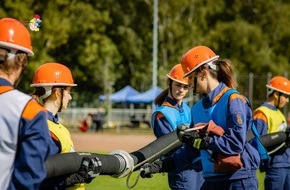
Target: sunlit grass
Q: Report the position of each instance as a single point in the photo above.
(158, 182)
(261, 177)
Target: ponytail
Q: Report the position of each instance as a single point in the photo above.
(161, 97)
(38, 92)
(224, 72)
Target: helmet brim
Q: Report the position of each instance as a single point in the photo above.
(52, 84)
(202, 63)
(278, 90)
(176, 80)
(11, 46)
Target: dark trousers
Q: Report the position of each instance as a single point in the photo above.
(240, 184)
(99, 125)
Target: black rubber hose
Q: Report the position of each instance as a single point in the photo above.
(154, 150)
(68, 163)
(273, 140)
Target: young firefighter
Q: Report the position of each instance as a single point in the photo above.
(170, 113)
(24, 137)
(269, 119)
(229, 162)
(53, 83)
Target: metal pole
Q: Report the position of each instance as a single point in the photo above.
(251, 87)
(155, 44)
(285, 110)
(109, 124)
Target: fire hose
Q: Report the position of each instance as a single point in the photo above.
(119, 163)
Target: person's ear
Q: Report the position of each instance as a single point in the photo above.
(276, 94)
(56, 93)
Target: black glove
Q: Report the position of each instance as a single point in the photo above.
(201, 143)
(90, 168)
(192, 137)
(73, 179)
(148, 169)
(185, 136)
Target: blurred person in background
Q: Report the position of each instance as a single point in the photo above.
(53, 83)
(269, 119)
(24, 137)
(170, 113)
(86, 123)
(99, 119)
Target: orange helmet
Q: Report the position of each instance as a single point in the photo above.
(14, 36)
(53, 74)
(196, 57)
(177, 74)
(280, 84)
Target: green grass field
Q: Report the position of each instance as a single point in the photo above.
(158, 182)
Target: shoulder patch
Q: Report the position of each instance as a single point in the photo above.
(238, 119)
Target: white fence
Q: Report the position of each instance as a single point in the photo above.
(72, 118)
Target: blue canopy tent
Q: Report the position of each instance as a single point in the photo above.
(147, 97)
(122, 95)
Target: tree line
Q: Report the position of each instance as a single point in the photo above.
(109, 42)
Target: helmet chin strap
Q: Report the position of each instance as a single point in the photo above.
(61, 100)
(194, 83)
(279, 95)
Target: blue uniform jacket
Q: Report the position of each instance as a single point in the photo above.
(165, 119)
(33, 146)
(235, 118)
